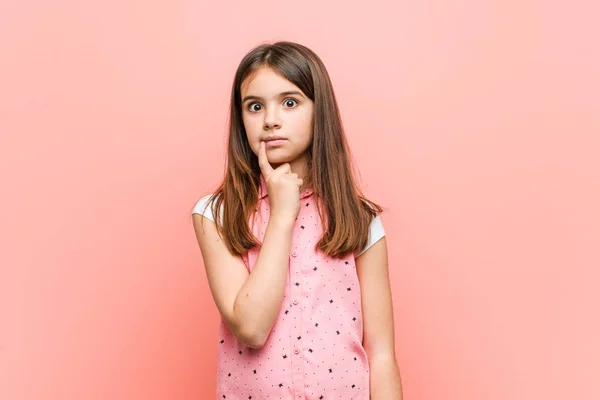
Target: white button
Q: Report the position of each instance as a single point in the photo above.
(294, 254)
(295, 302)
(296, 351)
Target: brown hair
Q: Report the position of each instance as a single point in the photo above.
(347, 212)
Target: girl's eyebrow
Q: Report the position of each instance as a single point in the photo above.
(290, 92)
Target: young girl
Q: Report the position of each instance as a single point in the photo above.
(296, 260)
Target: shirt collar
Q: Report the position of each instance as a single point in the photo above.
(262, 190)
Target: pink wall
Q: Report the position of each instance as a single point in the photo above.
(477, 124)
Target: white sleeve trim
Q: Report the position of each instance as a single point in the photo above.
(203, 208)
(376, 232)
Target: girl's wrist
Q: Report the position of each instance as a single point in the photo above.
(282, 222)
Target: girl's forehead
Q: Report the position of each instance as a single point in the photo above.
(265, 80)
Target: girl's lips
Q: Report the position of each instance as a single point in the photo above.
(276, 142)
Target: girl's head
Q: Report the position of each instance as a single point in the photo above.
(283, 89)
(273, 106)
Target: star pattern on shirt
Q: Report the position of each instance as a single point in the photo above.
(296, 318)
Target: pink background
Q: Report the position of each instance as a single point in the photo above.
(475, 124)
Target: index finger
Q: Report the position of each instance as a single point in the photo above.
(263, 161)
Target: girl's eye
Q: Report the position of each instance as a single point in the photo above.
(251, 107)
(287, 101)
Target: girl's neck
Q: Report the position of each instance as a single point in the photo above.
(299, 166)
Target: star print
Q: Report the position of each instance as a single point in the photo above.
(302, 226)
(331, 301)
(317, 324)
(353, 386)
(249, 397)
(281, 385)
(321, 398)
(286, 311)
(255, 371)
(310, 350)
(240, 352)
(330, 370)
(315, 268)
(285, 356)
(338, 332)
(354, 319)
(354, 358)
(297, 284)
(349, 289)
(229, 374)
(222, 341)
(346, 263)
(299, 337)
(307, 204)
(224, 396)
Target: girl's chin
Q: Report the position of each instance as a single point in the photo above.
(277, 162)
(278, 157)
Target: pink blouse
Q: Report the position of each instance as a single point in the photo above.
(314, 350)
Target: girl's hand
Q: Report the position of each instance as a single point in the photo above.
(283, 187)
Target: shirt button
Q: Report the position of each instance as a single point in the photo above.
(295, 302)
(296, 351)
(294, 254)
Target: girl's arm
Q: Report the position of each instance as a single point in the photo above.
(248, 302)
(378, 321)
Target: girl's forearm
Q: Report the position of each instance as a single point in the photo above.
(259, 300)
(385, 379)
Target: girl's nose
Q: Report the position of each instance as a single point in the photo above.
(272, 119)
(271, 125)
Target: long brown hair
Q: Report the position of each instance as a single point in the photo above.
(347, 213)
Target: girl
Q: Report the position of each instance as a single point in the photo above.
(296, 260)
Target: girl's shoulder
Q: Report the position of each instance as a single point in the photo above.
(376, 232)
(204, 206)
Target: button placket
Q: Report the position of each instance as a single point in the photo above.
(296, 285)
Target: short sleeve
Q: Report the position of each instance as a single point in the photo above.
(202, 207)
(376, 232)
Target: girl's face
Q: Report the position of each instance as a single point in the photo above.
(273, 106)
